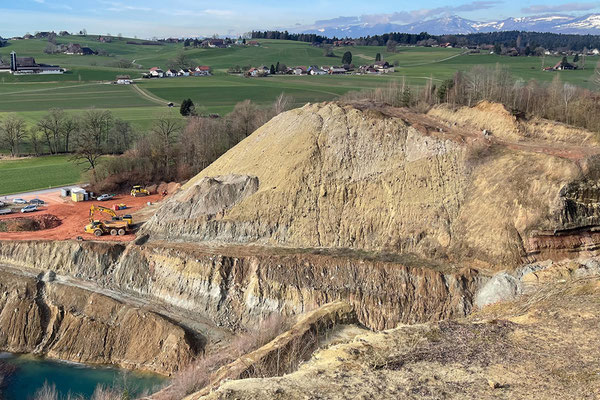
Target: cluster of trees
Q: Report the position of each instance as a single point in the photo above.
(181, 61)
(285, 35)
(87, 135)
(177, 150)
(558, 101)
(552, 41)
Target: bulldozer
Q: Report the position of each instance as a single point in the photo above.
(118, 225)
(138, 190)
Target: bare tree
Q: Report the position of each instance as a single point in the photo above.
(246, 117)
(35, 138)
(51, 125)
(69, 127)
(568, 93)
(165, 131)
(89, 140)
(282, 103)
(12, 133)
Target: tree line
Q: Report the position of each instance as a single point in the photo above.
(60, 132)
(552, 41)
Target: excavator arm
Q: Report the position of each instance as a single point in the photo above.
(95, 208)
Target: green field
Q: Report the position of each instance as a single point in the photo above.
(37, 173)
(85, 86)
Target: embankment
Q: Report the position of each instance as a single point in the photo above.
(57, 320)
(237, 286)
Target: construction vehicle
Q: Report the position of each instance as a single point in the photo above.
(118, 225)
(138, 190)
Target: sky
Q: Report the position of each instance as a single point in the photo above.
(178, 18)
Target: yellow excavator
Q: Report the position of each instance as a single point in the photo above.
(118, 225)
(138, 190)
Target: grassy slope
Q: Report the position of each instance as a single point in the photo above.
(37, 173)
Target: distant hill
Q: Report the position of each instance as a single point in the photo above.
(558, 23)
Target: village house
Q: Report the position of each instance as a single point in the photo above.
(214, 43)
(337, 71)
(77, 49)
(202, 70)
(170, 73)
(301, 70)
(252, 43)
(184, 72)
(339, 43)
(560, 66)
(156, 72)
(317, 71)
(383, 67)
(124, 80)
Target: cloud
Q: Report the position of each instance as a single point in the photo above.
(39, 1)
(573, 6)
(407, 17)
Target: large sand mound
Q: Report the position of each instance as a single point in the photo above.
(335, 176)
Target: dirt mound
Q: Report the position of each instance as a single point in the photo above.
(501, 123)
(340, 177)
(542, 346)
(492, 117)
(34, 223)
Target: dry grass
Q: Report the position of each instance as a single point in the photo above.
(199, 373)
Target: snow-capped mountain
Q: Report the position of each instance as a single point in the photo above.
(587, 24)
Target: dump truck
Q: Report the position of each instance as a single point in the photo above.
(118, 225)
(138, 190)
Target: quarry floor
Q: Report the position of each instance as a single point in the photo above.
(75, 215)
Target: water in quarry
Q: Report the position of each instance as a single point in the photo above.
(30, 373)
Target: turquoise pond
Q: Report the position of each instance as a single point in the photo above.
(30, 373)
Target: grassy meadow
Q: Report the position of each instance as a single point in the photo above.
(36, 173)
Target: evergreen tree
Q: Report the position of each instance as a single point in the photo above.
(347, 58)
(576, 58)
(378, 57)
(272, 69)
(186, 43)
(497, 48)
(277, 67)
(187, 107)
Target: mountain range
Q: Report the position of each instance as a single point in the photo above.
(453, 24)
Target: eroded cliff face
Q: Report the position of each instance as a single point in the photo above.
(334, 176)
(70, 323)
(235, 287)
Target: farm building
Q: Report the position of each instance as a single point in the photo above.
(28, 66)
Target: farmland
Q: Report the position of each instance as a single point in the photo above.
(85, 84)
(37, 173)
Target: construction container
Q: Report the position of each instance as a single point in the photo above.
(65, 192)
(78, 196)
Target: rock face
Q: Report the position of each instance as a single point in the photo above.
(73, 324)
(236, 287)
(333, 176)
